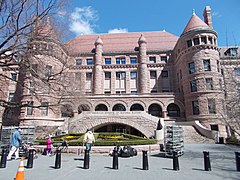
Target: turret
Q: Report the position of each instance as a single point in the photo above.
(207, 16)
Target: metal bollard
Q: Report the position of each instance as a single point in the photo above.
(3, 158)
(145, 160)
(86, 160)
(58, 159)
(207, 164)
(237, 157)
(115, 159)
(30, 159)
(175, 161)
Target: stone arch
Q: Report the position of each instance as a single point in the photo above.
(138, 102)
(177, 102)
(119, 107)
(101, 107)
(118, 102)
(136, 107)
(173, 110)
(155, 110)
(67, 110)
(83, 107)
(101, 102)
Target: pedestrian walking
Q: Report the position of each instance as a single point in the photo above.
(88, 139)
(49, 145)
(16, 142)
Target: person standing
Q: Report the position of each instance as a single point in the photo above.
(49, 145)
(88, 139)
(16, 141)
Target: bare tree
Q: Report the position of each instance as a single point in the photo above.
(27, 37)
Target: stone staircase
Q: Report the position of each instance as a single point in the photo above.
(191, 136)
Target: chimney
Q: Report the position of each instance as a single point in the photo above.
(207, 16)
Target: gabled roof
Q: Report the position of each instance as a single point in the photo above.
(195, 23)
(122, 42)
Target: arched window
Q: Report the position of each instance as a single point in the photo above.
(101, 107)
(67, 110)
(83, 107)
(155, 110)
(119, 107)
(173, 110)
(136, 107)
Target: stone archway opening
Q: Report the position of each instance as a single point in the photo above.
(66, 110)
(136, 107)
(118, 127)
(173, 110)
(83, 107)
(101, 107)
(155, 110)
(119, 107)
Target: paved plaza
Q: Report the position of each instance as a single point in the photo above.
(191, 166)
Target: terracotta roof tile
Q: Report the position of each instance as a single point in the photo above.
(195, 23)
(122, 42)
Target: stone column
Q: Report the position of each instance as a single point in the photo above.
(143, 73)
(97, 70)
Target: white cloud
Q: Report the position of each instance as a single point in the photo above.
(117, 30)
(216, 14)
(82, 20)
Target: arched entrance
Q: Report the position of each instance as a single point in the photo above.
(119, 107)
(155, 110)
(136, 107)
(101, 107)
(173, 110)
(67, 110)
(118, 127)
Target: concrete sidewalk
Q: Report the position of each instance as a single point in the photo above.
(191, 166)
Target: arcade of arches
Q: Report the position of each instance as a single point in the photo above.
(154, 109)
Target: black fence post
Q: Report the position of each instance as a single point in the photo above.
(145, 160)
(86, 160)
(115, 159)
(207, 164)
(58, 159)
(3, 158)
(175, 161)
(30, 159)
(237, 157)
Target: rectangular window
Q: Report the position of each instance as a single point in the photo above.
(195, 107)
(89, 76)
(191, 68)
(207, 65)
(14, 76)
(218, 66)
(120, 61)
(107, 61)
(237, 71)
(133, 60)
(196, 41)
(133, 75)
(152, 59)
(164, 58)
(30, 108)
(193, 85)
(211, 106)
(10, 97)
(204, 40)
(133, 92)
(120, 75)
(189, 43)
(209, 84)
(153, 74)
(48, 71)
(78, 62)
(210, 40)
(164, 74)
(89, 61)
(44, 108)
(107, 75)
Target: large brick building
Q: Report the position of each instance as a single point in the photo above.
(128, 81)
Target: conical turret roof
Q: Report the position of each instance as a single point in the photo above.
(195, 23)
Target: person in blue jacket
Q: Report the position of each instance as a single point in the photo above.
(16, 141)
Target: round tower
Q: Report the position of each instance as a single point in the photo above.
(198, 73)
(143, 73)
(97, 70)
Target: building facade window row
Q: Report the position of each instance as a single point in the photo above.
(201, 40)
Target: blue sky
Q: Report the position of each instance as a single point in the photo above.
(111, 16)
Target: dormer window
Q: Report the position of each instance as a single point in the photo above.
(231, 52)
